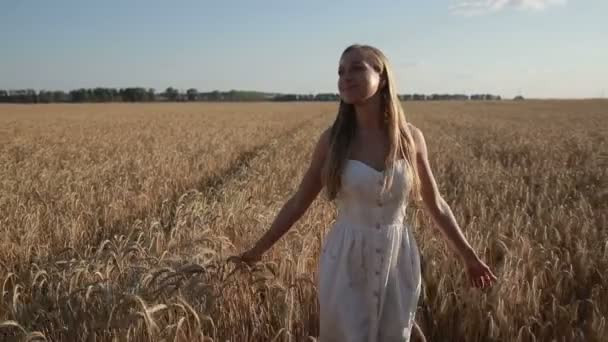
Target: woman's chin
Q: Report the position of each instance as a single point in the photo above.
(351, 100)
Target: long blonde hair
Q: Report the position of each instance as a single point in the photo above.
(401, 142)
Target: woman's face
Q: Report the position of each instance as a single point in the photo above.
(358, 80)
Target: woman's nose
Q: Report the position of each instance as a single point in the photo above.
(346, 77)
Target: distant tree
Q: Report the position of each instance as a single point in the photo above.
(326, 97)
(231, 95)
(216, 95)
(45, 96)
(134, 94)
(60, 96)
(172, 94)
(31, 96)
(78, 95)
(138, 94)
(419, 97)
(192, 94)
(151, 94)
(102, 94)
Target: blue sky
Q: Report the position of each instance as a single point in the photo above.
(541, 48)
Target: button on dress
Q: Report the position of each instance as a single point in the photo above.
(369, 268)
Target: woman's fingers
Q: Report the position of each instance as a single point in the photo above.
(489, 273)
(234, 259)
(481, 282)
(492, 275)
(491, 278)
(482, 279)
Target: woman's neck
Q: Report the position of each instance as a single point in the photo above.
(369, 115)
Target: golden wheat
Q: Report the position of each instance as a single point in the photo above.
(117, 221)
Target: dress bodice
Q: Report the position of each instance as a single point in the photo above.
(360, 202)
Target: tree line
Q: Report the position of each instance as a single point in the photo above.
(140, 94)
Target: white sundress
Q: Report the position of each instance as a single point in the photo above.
(369, 269)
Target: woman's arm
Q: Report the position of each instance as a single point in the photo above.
(442, 215)
(296, 206)
(436, 207)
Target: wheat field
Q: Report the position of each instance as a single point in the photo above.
(117, 219)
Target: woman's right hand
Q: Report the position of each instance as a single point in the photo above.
(250, 257)
(479, 273)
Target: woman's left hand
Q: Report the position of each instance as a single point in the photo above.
(479, 273)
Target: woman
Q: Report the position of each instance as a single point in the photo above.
(371, 161)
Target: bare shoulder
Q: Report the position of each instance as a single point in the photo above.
(418, 138)
(322, 146)
(325, 136)
(324, 140)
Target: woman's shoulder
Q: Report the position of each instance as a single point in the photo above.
(414, 131)
(323, 143)
(325, 137)
(418, 137)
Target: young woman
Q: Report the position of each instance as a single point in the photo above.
(372, 162)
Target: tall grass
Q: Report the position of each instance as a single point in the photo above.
(117, 220)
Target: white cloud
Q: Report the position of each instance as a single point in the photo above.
(477, 7)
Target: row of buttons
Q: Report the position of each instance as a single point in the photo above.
(378, 250)
(379, 200)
